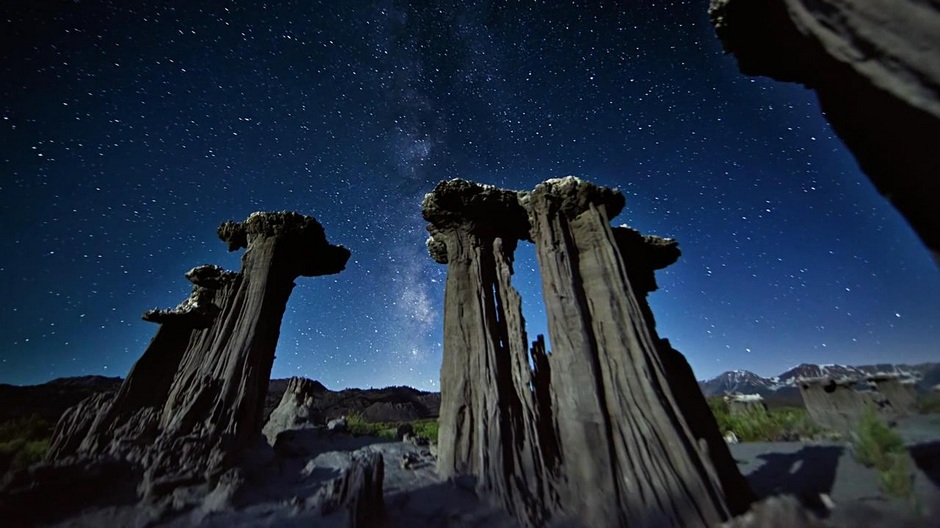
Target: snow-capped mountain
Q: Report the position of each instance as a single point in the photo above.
(743, 381)
(926, 375)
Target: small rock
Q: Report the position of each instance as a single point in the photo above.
(827, 501)
(416, 440)
(404, 429)
(433, 450)
(731, 438)
(408, 460)
(337, 424)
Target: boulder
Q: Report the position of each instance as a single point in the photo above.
(295, 410)
(337, 424)
(404, 430)
(357, 493)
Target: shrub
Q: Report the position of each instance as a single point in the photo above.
(928, 403)
(427, 428)
(768, 426)
(897, 480)
(876, 445)
(874, 441)
(23, 442)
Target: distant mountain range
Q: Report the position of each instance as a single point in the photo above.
(49, 400)
(784, 386)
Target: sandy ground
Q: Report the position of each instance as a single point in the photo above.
(280, 489)
(810, 470)
(278, 486)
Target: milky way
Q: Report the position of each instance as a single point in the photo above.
(129, 131)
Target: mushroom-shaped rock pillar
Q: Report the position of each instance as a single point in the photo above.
(487, 424)
(630, 458)
(195, 398)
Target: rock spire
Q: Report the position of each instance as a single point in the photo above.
(593, 430)
(195, 398)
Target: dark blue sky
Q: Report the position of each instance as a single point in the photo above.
(129, 131)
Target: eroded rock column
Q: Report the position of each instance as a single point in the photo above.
(642, 255)
(195, 398)
(486, 420)
(628, 455)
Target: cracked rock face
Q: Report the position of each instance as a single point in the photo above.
(569, 437)
(195, 398)
(874, 67)
(838, 404)
(296, 408)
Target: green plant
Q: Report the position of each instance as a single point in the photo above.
(767, 426)
(876, 445)
(928, 403)
(427, 428)
(23, 442)
(897, 480)
(874, 441)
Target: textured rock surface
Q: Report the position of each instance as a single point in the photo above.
(642, 256)
(358, 491)
(296, 408)
(611, 394)
(740, 404)
(838, 403)
(487, 423)
(194, 400)
(874, 67)
(570, 437)
(777, 512)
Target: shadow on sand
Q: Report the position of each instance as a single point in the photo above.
(805, 474)
(927, 458)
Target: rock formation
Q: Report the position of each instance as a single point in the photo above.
(642, 256)
(902, 393)
(358, 492)
(487, 424)
(296, 408)
(874, 67)
(741, 404)
(839, 403)
(594, 430)
(195, 399)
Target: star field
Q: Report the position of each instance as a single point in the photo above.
(128, 132)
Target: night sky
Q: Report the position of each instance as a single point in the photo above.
(130, 130)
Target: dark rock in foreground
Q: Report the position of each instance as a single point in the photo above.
(875, 71)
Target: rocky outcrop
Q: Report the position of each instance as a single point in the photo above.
(902, 393)
(741, 404)
(594, 430)
(195, 399)
(874, 67)
(838, 404)
(358, 492)
(296, 408)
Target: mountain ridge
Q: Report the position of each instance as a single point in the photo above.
(925, 376)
